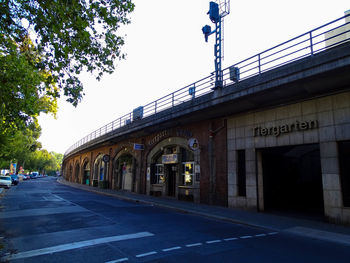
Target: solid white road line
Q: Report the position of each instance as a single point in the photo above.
(118, 260)
(146, 254)
(194, 245)
(170, 249)
(74, 245)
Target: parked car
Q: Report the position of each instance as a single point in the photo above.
(14, 179)
(5, 181)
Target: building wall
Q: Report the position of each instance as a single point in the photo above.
(211, 159)
(332, 114)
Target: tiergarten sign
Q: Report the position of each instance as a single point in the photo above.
(285, 128)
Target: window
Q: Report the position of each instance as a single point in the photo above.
(188, 172)
(344, 165)
(159, 173)
(241, 181)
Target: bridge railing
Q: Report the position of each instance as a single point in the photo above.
(317, 40)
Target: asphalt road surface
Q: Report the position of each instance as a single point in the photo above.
(44, 221)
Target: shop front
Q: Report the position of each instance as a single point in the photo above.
(171, 170)
(124, 169)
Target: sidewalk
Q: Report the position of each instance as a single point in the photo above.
(304, 227)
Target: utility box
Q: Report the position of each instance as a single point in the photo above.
(234, 74)
(137, 114)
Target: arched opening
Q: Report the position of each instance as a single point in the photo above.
(172, 170)
(86, 174)
(124, 172)
(99, 170)
(76, 173)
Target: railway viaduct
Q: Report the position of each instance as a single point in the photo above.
(275, 137)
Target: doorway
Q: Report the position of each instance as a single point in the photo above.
(171, 178)
(292, 179)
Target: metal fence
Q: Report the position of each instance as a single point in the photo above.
(317, 40)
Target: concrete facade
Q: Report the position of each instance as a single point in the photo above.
(332, 114)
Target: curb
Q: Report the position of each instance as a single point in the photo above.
(296, 230)
(178, 209)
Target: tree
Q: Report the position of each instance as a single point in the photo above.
(26, 90)
(71, 36)
(18, 148)
(45, 45)
(45, 162)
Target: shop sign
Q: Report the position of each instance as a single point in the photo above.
(169, 158)
(138, 147)
(193, 144)
(285, 128)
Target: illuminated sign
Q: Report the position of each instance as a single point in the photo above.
(169, 158)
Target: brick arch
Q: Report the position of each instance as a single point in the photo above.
(86, 171)
(124, 166)
(98, 169)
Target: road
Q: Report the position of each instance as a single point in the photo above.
(45, 221)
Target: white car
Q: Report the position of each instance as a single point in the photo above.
(5, 181)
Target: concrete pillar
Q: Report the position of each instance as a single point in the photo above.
(331, 181)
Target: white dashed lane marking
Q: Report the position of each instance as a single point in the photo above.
(170, 249)
(146, 254)
(118, 260)
(231, 238)
(213, 241)
(194, 245)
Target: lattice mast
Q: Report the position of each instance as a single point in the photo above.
(217, 11)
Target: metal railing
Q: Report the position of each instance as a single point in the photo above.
(329, 35)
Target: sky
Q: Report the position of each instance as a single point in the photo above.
(166, 51)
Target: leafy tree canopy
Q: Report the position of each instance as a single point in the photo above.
(70, 35)
(45, 45)
(19, 147)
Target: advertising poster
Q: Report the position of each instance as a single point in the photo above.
(13, 167)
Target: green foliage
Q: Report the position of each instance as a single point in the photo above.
(24, 149)
(44, 46)
(70, 35)
(26, 90)
(19, 146)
